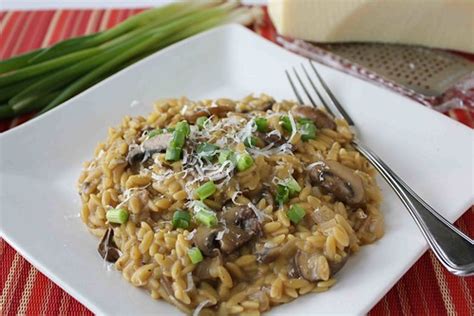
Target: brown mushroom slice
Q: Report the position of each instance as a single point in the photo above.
(205, 240)
(107, 249)
(312, 266)
(337, 266)
(341, 181)
(320, 118)
(157, 143)
(271, 138)
(243, 217)
(270, 254)
(135, 155)
(217, 110)
(202, 271)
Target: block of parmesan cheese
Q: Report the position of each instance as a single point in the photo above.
(445, 24)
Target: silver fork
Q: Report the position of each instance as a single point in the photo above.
(452, 247)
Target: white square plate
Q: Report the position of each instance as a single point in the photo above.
(41, 160)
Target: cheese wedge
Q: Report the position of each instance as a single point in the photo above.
(445, 24)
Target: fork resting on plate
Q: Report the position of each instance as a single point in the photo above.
(453, 248)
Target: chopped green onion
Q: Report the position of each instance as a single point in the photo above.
(205, 215)
(154, 133)
(282, 194)
(262, 124)
(195, 255)
(173, 154)
(226, 155)
(206, 190)
(296, 213)
(201, 121)
(292, 186)
(117, 216)
(178, 139)
(244, 161)
(183, 127)
(181, 219)
(285, 122)
(207, 150)
(251, 141)
(308, 131)
(170, 129)
(304, 120)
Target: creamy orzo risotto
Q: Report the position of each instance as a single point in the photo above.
(230, 207)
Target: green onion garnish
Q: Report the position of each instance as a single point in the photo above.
(207, 150)
(154, 133)
(251, 141)
(296, 213)
(183, 127)
(181, 219)
(206, 217)
(308, 131)
(117, 216)
(201, 121)
(178, 140)
(195, 255)
(292, 186)
(226, 155)
(244, 161)
(285, 122)
(206, 190)
(282, 195)
(262, 124)
(173, 154)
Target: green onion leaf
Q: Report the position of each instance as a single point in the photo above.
(154, 133)
(308, 131)
(292, 186)
(181, 219)
(201, 121)
(227, 155)
(195, 255)
(296, 213)
(285, 122)
(206, 190)
(262, 124)
(183, 127)
(117, 216)
(282, 194)
(204, 214)
(207, 150)
(244, 161)
(173, 154)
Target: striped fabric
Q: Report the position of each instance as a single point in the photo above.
(426, 289)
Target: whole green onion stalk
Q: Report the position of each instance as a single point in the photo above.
(41, 80)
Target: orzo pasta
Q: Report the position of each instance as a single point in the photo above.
(230, 207)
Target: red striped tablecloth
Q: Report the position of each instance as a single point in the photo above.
(426, 289)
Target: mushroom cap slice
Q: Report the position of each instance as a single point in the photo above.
(312, 266)
(341, 181)
(320, 118)
(205, 240)
(107, 249)
(217, 110)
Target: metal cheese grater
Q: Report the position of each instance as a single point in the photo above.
(429, 72)
(421, 73)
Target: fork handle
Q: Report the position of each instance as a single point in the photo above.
(452, 247)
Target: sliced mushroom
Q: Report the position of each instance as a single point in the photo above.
(233, 238)
(138, 154)
(217, 110)
(270, 254)
(158, 143)
(205, 240)
(271, 138)
(339, 180)
(337, 266)
(320, 118)
(243, 217)
(108, 250)
(311, 266)
(202, 271)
